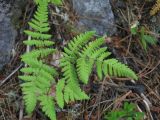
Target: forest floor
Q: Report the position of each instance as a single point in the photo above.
(106, 95)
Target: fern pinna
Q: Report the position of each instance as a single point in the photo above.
(38, 76)
(79, 58)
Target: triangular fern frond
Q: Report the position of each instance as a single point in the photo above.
(79, 59)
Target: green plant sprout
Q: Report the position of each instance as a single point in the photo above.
(145, 38)
(128, 112)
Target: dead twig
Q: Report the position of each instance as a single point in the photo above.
(9, 76)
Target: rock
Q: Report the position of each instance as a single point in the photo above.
(7, 39)
(8, 32)
(94, 15)
(155, 22)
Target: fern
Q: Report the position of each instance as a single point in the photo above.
(79, 59)
(155, 8)
(38, 76)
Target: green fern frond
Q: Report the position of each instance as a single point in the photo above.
(38, 76)
(79, 59)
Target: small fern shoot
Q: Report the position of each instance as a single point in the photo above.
(38, 76)
(79, 59)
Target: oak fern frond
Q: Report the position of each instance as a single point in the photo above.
(79, 59)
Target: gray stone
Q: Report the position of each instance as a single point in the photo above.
(8, 32)
(7, 39)
(94, 15)
(155, 23)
